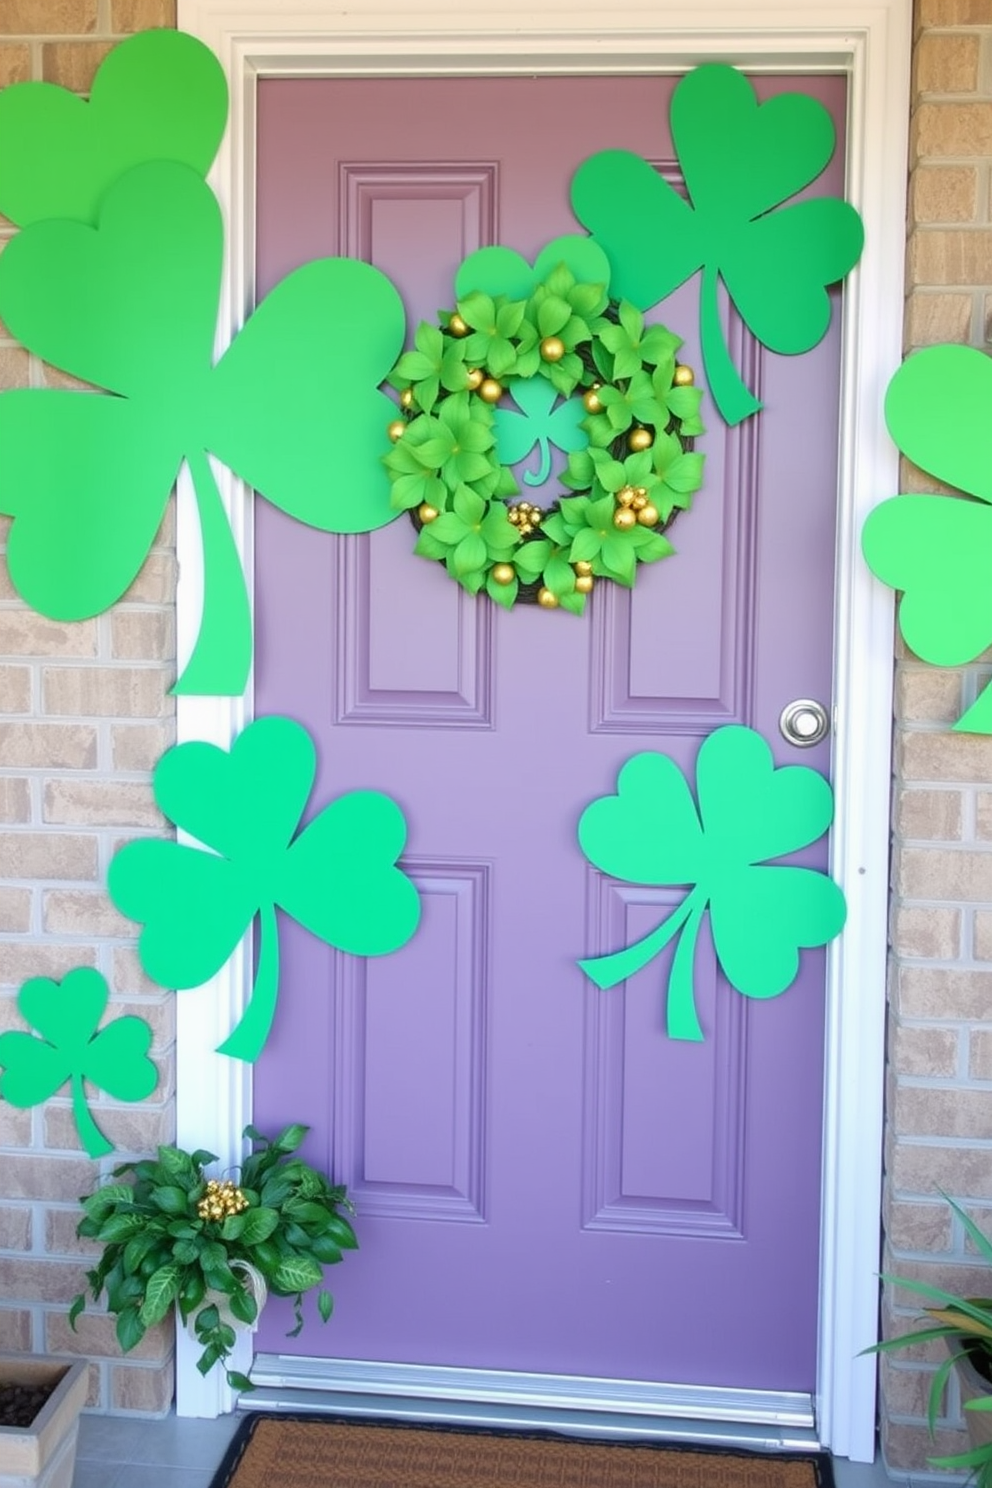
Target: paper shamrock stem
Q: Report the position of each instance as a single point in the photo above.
(651, 832)
(72, 1048)
(249, 1037)
(338, 877)
(730, 393)
(221, 658)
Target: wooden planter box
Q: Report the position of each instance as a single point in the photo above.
(43, 1455)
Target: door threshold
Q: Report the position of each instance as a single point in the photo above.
(759, 1420)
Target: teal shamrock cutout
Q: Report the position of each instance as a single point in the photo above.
(538, 424)
(338, 877)
(293, 406)
(938, 409)
(749, 812)
(739, 160)
(159, 95)
(69, 1048)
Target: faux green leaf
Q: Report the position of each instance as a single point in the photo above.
(740, 160)
(935, 548)
(338, 877)
(539, 423)
(68, 1048)
(160, 95)
(132, 306)
(749, 812)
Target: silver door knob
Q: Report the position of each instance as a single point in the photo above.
(804, 723)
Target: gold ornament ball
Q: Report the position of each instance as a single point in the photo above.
(503, 573)
(406, 398)
(683, 377)
(514, 516)
(648, 516)
(396, 429)
(583, 568)
(547, 598)
(552, 348)
(535, 515)
(625, 496)
(490, 391)
(457, 326)
(639, 503)
(591, 401)
(640, 439)
(624, 517)
(426, 512)
(475, 377)
(584, 583)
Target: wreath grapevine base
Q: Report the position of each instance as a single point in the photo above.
(628, 427)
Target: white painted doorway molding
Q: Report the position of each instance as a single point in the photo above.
(868, 41)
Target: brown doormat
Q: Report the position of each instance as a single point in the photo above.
(328, 1452)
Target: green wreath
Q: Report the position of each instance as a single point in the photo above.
(627, 427)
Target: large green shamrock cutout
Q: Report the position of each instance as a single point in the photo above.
(70, 1048)
(538, 423)
(504, 271)
(160, 95)
(761, 913)
(293, 406)
(938, 409)
(338, 877)
(739, 160)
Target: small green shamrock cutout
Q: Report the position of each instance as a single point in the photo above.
(538, 424)
(292, 406)
(70, 1048)
(739, 160)
(338, 877)
(761, 913)
(503, 271)
(938, 409)
(159, 95)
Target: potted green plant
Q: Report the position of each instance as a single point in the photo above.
(171, 1236)
(965, 1325)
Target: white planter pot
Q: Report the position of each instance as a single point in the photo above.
(254, 1283)
(43, 1455)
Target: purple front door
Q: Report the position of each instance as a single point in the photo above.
(544, 1181)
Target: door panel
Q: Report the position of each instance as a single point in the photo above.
(544, 1180)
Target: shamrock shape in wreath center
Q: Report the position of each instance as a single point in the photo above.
(749, 812)
(337, 877)
(538, 424)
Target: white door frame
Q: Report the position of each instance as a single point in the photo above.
(869, 41)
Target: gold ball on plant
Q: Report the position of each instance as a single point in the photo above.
(552, 348)
(625, 496)
(490, 391)
(683, 376)
(640, 439)
(406, 398)
(475, 377)
(648, 516)
(503, 573)
(547, 598)
(638, 503)
(584, 583)
(396, 429)
(624, 517)
(457, 325)
(591, 399)
(426, 512)
(583, 568)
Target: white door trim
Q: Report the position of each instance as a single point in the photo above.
(869, 40)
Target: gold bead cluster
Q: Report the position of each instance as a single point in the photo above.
(221, 1199)
(633, 506)
(525, 517)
